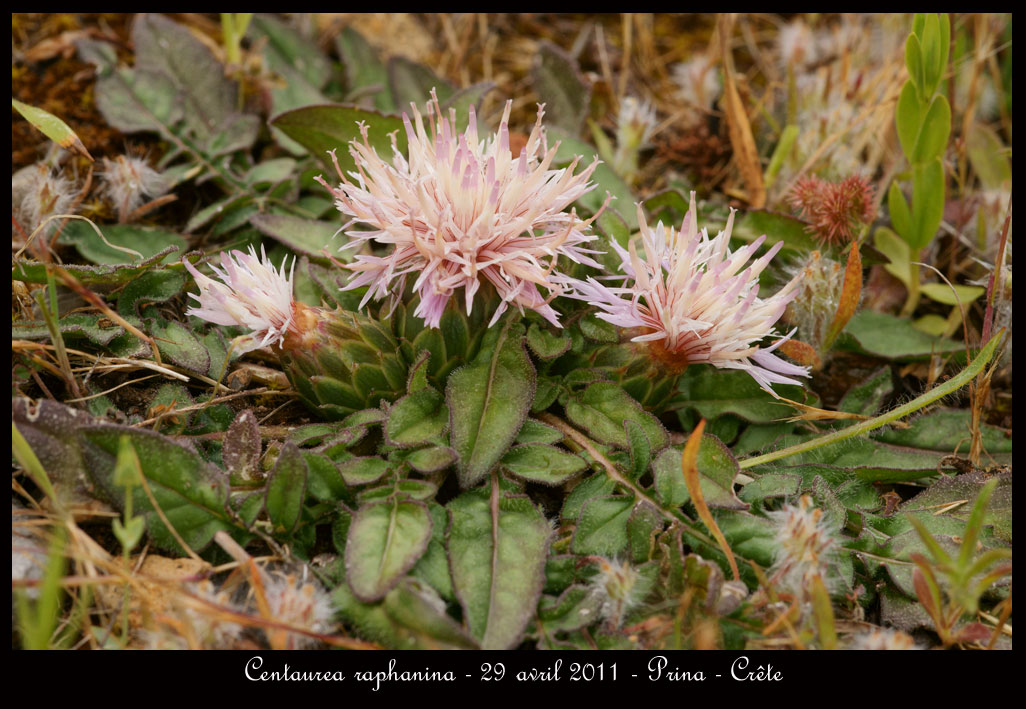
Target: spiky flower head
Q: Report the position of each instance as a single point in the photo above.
(127, 180)
(883, 639)
(253, 294)
(461, 212)
(804, 544)
(818, 295)
(836, 211)
(39, 192)
(689, 301)
(634, 123)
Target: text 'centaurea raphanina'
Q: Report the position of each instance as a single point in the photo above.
(686, 295)
(459, 212)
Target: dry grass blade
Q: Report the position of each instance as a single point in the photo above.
(746, 154)
(690, 467)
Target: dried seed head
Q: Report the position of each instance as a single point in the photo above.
(37, 192)
(619, 589)
(127, 180)
(804, 548)
(699, 82)
(883, 639)
(300, 604)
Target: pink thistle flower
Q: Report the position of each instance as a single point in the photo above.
(689, 301)
(253, 295)
(461, 211)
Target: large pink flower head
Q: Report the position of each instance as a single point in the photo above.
(253, 294)
(460, 210)
(690, 302)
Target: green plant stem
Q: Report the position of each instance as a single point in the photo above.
(912, 301)
(941, 390)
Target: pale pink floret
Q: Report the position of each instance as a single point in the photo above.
(688, 294)
(253, 295)
(460, 210)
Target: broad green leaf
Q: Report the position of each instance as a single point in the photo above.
(545, 344)
(108, 274)
(433, 567)
(931, 52)
(411, 617)
(777, 227)
(363, 68)
(157, 286)
(417, 418)
(895, 248)
(324, 482)
(98, 329)
(463, 99)
(541, 463)
(901, 215)
(598, 330)
(864, 459)
(134, 100)
(771, 485)
(288, 46)
(890, 337)
(52, 127)
(639, 447)
(489, 400)
(605, 179)
(207, 97)
(178, 344)
(559, 84)
(713, 392)
(988, 156)
(416, 607)
(362, 471)
(497, 547)
(643, 524)
(927, 201)
(603, 407)
(385, 540)
(432, 459)
(953, 294)
(868, 397)
(145, 241)
(914, 62)
(717, 470)
(537, 432)
(591, 488)
(933, 135)
(958, 496)
(270, 172)
(602, 527)
(909, 118)
(286, 489)
(191, 494)
(576, 607)
(946, 431)
(323, 128)
(411, 82)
